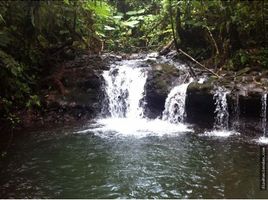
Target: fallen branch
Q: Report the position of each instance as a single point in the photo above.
(166, 49)
(195, 61)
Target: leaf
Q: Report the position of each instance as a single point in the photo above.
(100, 34)
(131, 24)
(136, 18)
(66, 2)
(108, 28)
(2, 19)
(118, 17)
(32, 17)
(101, 10)
(136, 12)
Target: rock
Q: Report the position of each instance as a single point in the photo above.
(173, 54)
(200, 103)
(108, 57)
(243, 71)
(83, 81)
(160, 81)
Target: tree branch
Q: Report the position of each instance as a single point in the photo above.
(213, 40)
(195, 61)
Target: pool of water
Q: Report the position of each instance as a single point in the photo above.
(66, 163)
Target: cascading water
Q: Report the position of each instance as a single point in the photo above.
(222, 114)
(263, 113)
(124, 87)
(264, 138)
(221, 123)
(175, 104)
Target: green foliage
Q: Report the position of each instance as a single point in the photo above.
(33, 101)
(263, 57)
(250, 58)
(241, 58)
(138, 25)
(36, 34)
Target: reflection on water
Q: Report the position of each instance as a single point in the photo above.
(56, 165)
(220, 133)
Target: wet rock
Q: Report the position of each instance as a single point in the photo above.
(200, 105)
(83, 83)
(161, 79)
(173, 54)
(110, 58)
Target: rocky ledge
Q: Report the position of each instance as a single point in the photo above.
(83, 95)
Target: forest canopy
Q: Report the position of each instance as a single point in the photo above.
(37, 36)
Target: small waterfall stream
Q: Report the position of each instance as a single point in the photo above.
(221, 123)
(222, 114)
(264, 138)
(175, 104)
(263, 113)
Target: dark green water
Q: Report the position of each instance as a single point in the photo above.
(61, 164)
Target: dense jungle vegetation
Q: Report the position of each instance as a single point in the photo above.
(37, 36)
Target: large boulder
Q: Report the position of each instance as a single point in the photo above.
(82, 81)
(161, 79)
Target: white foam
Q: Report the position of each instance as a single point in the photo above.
(124, 87)
(262, 140)
(175, 104)
(137, 127)
(202, 80)
(220, 133)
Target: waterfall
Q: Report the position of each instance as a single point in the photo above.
(222, 114)
(124, 87)
(264, 138)
(263, 113)
(175, 104)
(221, 123)
(123, 107)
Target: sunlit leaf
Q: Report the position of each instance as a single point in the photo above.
(118, 17)
(136, 12)
(66, 1)
(108, 28)
(131, 24)
(2, 19)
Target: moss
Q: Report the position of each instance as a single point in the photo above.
(166, 69)
(243, 71)
(205, 87)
